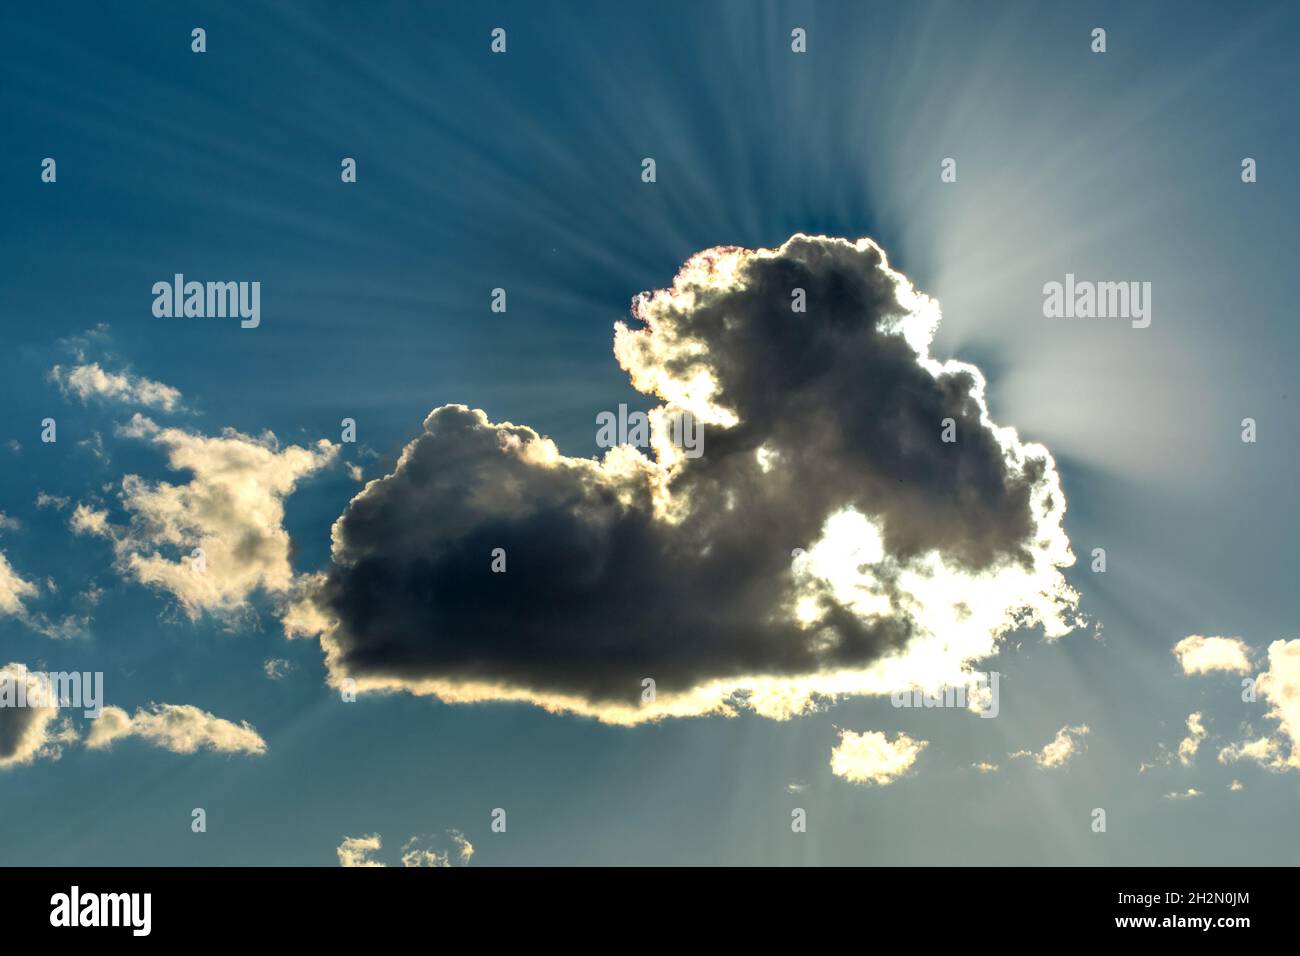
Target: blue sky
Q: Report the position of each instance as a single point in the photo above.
(522, 171)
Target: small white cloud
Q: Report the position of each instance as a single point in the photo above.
(1203, 655)
(91, 381)
(1192, 742)
(418, 852)
(1264, 750)
(276, 668)
(1058, 752)
(984, 766)
(1189, 794)
(452, 849)
(871, 758)
(356, 851)
(90, 521)
(180, 728)
(14, 589)
(1236, 785)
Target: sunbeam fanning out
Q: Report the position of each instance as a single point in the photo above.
(533, 428)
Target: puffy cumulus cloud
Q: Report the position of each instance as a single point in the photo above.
(212, 542)
(90, 381)
(871, 758)
(1189, 794)
(180, 728)
(356, 851)
(28, 733)
(822, 435)
(1059, 751)
(1203, 655)
(1279, 686)
(1192, 742)
(450, 849)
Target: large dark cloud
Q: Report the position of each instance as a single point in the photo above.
(680, 570)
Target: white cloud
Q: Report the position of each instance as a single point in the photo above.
(1058, 752)
(416, 852)
(14, 589)
(355, 851)
(1203, 655)
(180, 728)
(1263, 750)
(871, 758)
(213, 541)
(276, 668)
(91, 381)
(91, 521)
(1189, 794)
(984, 766)
(1192, 742)
(1280, 687)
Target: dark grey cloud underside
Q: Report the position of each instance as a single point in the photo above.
(14, 723)
(599, 594)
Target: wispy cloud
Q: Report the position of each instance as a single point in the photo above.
(91, 381)
(1060, 749)
(180, 728)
